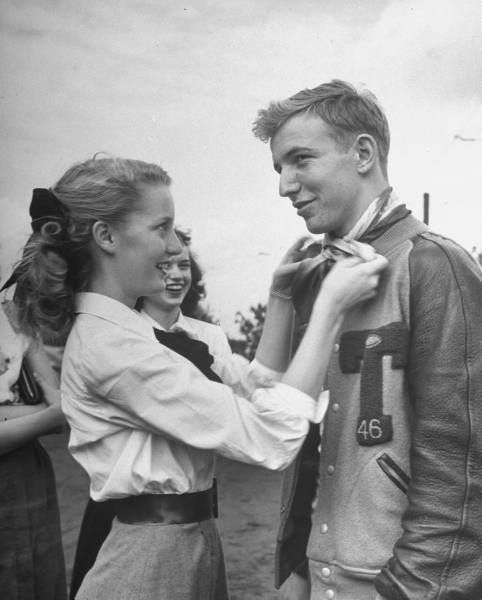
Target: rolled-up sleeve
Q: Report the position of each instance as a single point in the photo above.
(235, 370)
(148, 387)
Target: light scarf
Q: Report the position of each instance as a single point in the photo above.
(310, 274)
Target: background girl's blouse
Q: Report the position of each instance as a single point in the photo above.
(13, 346)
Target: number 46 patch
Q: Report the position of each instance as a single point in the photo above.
(376, 430)
(363, 351)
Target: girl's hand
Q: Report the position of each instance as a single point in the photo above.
(351, 281)
(283, 276)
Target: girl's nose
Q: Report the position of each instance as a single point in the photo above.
(173, 272)
(174, 245)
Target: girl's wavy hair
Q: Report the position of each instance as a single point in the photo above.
(57, 262)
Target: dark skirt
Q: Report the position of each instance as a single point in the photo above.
(31, 556)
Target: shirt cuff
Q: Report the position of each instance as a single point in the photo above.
(321, 406)
(263, 376)
(291, 400)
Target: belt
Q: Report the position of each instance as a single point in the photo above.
(168, 509)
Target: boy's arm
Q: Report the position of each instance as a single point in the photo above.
(439, 555)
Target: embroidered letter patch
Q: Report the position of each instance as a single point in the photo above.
(363, 351)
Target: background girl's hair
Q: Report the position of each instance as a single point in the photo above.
(191, 305)
(56, 261)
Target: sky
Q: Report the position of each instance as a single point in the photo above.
(181, 83)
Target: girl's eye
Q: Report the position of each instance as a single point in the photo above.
(185, 266)
(165, 225)
(165, 266)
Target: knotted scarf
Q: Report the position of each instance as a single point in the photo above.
(380, 215)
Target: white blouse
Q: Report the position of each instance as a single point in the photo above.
(144, 419)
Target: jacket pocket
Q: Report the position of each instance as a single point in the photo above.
(394, 472)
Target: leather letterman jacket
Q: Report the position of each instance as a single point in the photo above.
(399, 499)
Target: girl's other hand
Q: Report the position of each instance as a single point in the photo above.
(283, 276)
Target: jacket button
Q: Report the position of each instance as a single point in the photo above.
(330, 469)
(330, 594)
(324, 528)
(326, 572)
(335, 407)
(283, 508)
(336, 347)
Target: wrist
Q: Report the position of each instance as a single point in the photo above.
(327, 309)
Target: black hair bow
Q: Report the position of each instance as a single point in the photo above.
(44, 207)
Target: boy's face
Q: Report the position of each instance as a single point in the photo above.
(317, 174)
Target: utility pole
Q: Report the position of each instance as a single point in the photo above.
(426, 206)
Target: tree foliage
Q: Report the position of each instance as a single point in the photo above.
(250, 329)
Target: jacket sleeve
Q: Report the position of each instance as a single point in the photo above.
(439, 555)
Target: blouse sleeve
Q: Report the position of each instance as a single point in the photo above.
(146, 386)
(242, 376)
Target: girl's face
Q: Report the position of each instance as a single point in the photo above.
(144, 242)
(177, 282)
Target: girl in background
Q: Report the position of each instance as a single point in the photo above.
(146, 421)
(31, 555)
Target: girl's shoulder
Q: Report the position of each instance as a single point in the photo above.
(202, 325)
(207, 332)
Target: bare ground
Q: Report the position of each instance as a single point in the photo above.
(248, 499)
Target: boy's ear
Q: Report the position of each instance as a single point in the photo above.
(366, 152)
